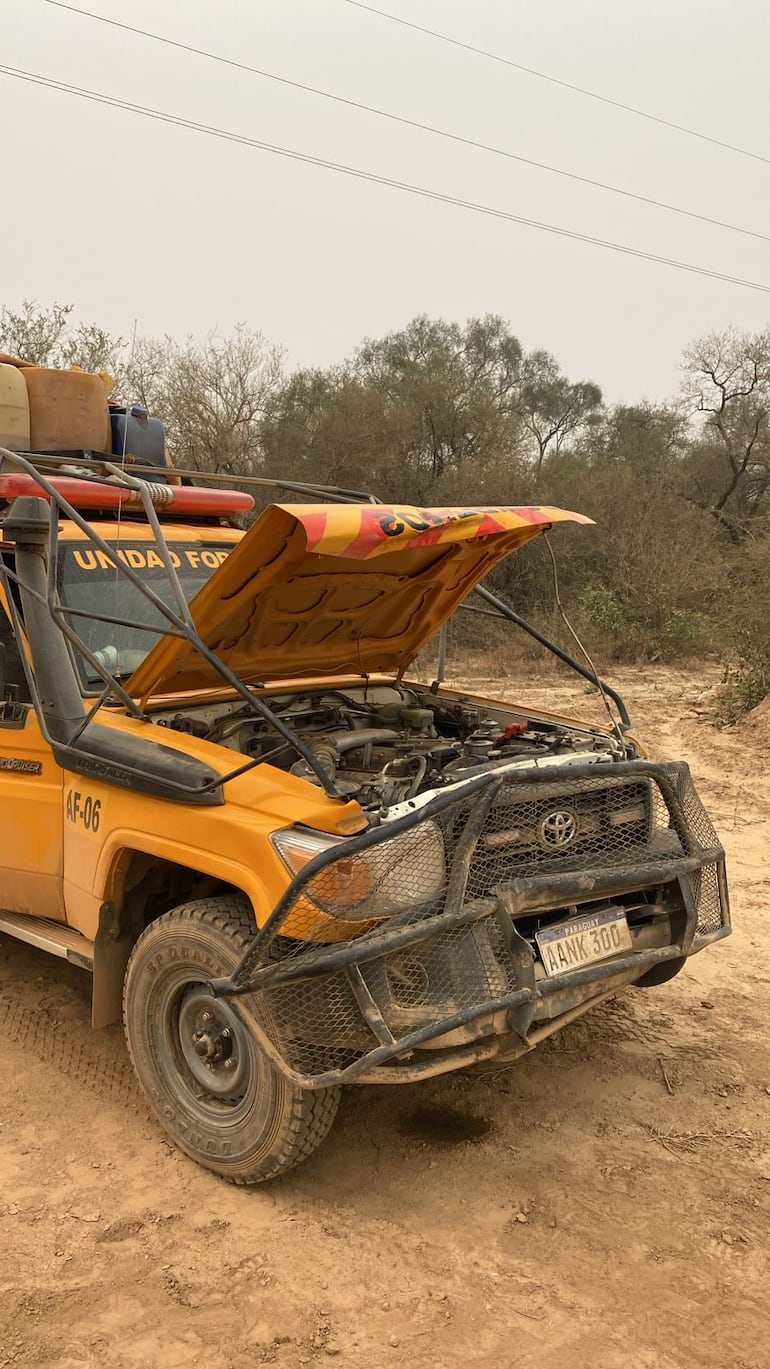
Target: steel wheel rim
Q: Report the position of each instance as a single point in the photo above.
(222, 1094)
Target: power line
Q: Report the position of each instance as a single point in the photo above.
(358, 173)
(555, 81)
(402, 119)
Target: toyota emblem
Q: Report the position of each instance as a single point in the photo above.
(558, 829)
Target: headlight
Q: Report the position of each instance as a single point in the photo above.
(390, 877)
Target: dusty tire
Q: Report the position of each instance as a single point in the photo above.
(213, 1089)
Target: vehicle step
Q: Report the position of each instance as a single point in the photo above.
(50, 936)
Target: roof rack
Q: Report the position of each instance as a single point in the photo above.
(94, 464)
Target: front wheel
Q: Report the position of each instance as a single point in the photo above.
(197, 1057)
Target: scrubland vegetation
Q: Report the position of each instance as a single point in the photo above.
(678, 566)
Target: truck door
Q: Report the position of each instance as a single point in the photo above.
(31, 787)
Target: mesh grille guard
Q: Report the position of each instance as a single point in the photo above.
(343, 978)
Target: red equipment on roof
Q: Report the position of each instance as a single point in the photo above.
(193, 500)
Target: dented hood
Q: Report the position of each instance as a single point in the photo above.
(338, 589)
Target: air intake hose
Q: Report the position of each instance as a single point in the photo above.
(61, 704)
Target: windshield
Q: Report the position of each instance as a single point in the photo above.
(88, 581)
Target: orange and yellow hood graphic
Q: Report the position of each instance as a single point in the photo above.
(338, 589)
(371, 530)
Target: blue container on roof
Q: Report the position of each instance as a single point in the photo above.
(136, 435)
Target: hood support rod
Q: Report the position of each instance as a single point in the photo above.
(504, 611)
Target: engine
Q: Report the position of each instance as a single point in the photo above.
(383, 745)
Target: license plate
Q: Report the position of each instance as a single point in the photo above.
(584, 940)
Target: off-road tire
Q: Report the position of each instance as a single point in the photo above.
(269, 1123)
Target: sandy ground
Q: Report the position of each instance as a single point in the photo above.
(603, 1203)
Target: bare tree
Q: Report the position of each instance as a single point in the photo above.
(93, 349)
(727, 381)
(212, 395)
(34, 332)
(45, 336)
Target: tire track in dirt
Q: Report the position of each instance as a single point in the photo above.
(96, 1061)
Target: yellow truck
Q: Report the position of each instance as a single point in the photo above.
(287, 864)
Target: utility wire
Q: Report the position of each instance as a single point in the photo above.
(555, 81)
(402, 119)
(423, 192)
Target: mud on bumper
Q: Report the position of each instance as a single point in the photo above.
(457, 978)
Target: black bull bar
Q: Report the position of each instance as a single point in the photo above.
(285, 977)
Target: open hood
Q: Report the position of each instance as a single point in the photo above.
(338, 589)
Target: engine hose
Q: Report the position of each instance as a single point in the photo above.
(350, 741)
(329, 748)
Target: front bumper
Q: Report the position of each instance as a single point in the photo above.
(461, 980)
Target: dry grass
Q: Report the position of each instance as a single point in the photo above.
(680, 1143)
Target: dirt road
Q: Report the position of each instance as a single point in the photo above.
(603, 1203)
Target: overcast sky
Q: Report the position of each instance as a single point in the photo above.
(134, 219)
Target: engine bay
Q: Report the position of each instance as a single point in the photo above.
(386, 744)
